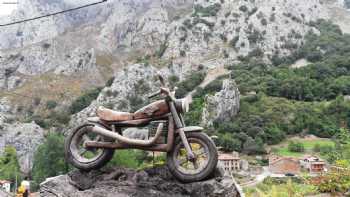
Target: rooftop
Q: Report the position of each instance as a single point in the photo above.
(227, 156)
(4, 181)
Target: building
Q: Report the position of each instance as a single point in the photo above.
(313, 164)
(5, 185)
(230, 162)
(283, 165)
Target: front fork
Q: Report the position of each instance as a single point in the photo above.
(180, 129)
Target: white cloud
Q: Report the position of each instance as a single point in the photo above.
(6, 9)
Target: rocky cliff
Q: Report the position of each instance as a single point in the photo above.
(119, 182)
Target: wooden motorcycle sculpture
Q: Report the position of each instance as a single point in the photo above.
(191, 154)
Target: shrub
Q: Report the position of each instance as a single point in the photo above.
(243, 8)
(296, 147)
(255, 37)
(203, 21)
(162, 48)
(256, 53)
(84, 100)
(128, 158)
(110, 82)
(182, 53)
(211, 10)
(51, 104)
(190, 83)
(263, 21)
(234, 41)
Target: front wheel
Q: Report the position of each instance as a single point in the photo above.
(206, 158)
(86, 158)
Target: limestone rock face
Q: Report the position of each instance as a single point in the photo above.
(128, 91)
(206, 32)
(222, 106)
(25, 138)
(120, 182)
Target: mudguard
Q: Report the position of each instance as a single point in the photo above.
(193, 129)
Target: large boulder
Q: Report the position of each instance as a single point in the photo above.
(222, 106)
(120, 182)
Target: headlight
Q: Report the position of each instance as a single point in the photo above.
(182, 105)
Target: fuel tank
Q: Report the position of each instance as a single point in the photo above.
(155, 109)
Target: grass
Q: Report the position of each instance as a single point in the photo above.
(281, 190)
(309, 144)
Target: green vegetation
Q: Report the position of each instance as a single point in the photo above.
(57, 119)
(311, 146)
(9, 167)
(297, 147)
(281, 188)
(288, 101)
(49, 159)
(189, 84)
(334, 181)
(84, 100)
(243, 8)
(128, 158)
(211, 10)
(51, 104)
(337, 180)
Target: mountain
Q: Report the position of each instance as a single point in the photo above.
(108, 55)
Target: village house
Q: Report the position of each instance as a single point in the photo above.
(5, 185)
(230, 161)
(283, 165)
(313, 164)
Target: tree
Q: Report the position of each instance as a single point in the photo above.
(9, 166)
(254, 146)
(296, 147)
(229, 143)
(49, 159)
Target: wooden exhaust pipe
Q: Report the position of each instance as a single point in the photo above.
(104, 132)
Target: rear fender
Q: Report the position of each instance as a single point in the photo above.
(193, 129)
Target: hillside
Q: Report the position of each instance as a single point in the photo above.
(258, 70)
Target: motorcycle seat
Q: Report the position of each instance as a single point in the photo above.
(111, 115)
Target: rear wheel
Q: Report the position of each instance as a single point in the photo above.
(206, 158)
(86, 158)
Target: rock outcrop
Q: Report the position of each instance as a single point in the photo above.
(25, 138)
(120, 182)
(222, 106)
(128, 91)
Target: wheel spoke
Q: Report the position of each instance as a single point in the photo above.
(195, 164)
(97, 138)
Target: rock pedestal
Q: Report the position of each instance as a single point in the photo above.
(121, 182)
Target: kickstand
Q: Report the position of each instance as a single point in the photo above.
(153, 158)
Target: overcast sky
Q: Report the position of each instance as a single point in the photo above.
(6, 9)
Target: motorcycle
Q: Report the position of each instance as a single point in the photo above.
(191, 154)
